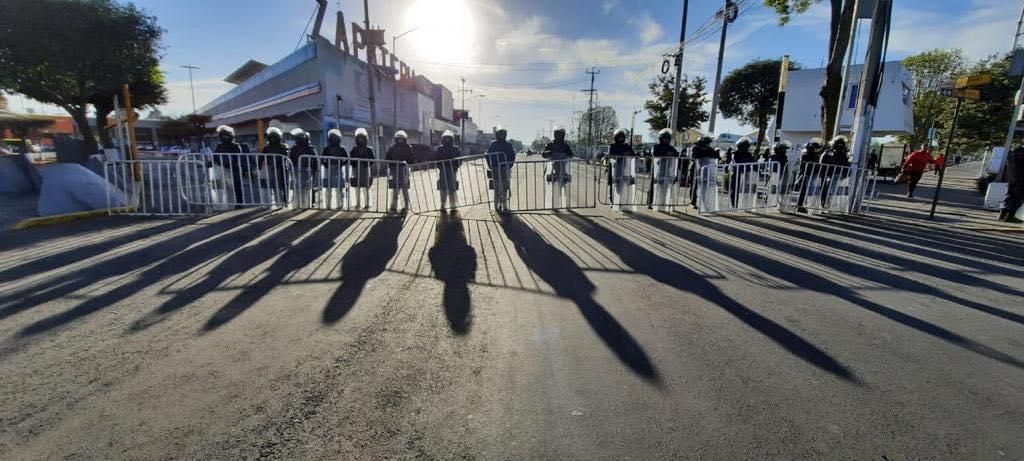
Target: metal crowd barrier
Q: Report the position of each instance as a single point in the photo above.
(662, 183)
(240, 180)
(825, 188)
(449, 184)
(158, 188)
(739, 187)
(342, 183)
(535, 185)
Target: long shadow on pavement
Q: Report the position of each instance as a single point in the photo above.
(809, 280)
(36, 294)
(895, 280)
(454, 263)
(363, 262)
(675, 275)
(559, 271)
(295, 257)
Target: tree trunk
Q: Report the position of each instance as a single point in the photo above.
(102, 111)
(761, 128)
(839, 39)
(80, 118)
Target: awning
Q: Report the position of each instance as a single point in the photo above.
(290, 95)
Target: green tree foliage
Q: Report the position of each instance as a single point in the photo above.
(71, 52)
(750, 93)
(690, 111)
(605, 123)
(932, 70)
(840, 23)
(983, 123)
(147, 88)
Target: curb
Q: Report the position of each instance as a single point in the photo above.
(64, 218)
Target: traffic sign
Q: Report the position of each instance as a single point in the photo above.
(946, 92)
(638, 139)
(932, 133)
(973, 80)
(966, 93)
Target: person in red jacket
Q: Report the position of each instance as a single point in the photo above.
(914, 167)
(940, 161)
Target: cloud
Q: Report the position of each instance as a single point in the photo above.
(649, 29)
(179, 94)
(982, 29)
(608, 5)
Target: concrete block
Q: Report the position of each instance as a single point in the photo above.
(12, 176)
(71, 188)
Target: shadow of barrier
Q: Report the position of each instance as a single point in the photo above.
(439, 185)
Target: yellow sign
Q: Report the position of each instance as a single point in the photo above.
(964, 93)
(974, 80)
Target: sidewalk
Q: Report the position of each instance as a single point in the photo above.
(960, 204)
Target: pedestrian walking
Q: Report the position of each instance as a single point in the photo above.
(940, 161)
(914, 167)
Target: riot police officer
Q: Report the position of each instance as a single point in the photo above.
(448, 171)
(740, 173)
(835, 163)
(304, 171)
(620, 175)
(1014, 186)
(662, 169)
(360, 158)
(276, 171)
(500, 168)
(558, 151)
(398, 173)
(335, 159)
(227, 145)
(809, 170)
(701, 154)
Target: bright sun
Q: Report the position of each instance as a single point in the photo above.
(446, 30)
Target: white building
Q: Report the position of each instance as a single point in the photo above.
(801, 118)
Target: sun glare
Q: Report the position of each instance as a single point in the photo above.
(446, 30)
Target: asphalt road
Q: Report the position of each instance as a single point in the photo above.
(579, 334)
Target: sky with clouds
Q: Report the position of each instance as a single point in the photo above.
(528, 57)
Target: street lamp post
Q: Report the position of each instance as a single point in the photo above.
(192, 89)
(394, 51)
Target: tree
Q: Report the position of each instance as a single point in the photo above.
(185, 128)
(750, 93)
(147, 89)
(984, 123)
(840, 24)
(88, 47)
(540, 143)
(690, 112)
(605, 123)
(931, 71)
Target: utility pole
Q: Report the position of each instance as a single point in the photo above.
(1016, 106)
(673, 116)
(867, 100)
(191, 87)
(728, 13)
(780, 104)
(462, 120)
(374, 138)
(870, 81)
(949, 144)
(846, 70)
(394, 49)
(590, 109)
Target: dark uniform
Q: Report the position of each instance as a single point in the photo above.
(700, 155)
(833, 161)
(276, 173)
(808, 173)
(738, 178)
(1014, 185)
(501, 165)
(448, 172)
(661, 154)
(399, 174)
(616, 168)
(233, 162)
(558, 150)
(362, 175)
(305, 175)
(334, 167)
